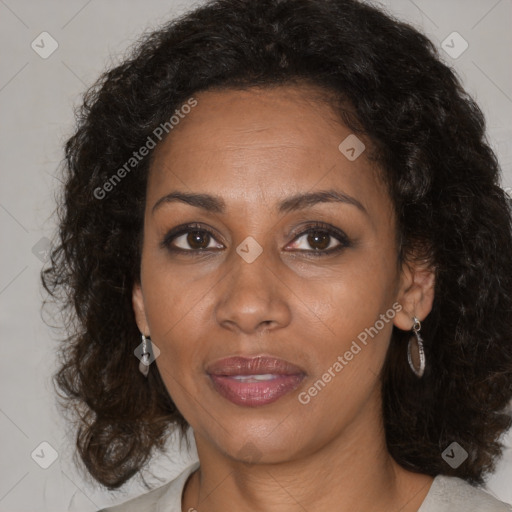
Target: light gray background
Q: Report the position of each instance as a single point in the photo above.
(36, 104)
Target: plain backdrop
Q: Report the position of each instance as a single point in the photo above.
(37, 96)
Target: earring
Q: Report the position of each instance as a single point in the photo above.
(145, 356)
(416, 354)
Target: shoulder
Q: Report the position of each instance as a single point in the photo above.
(144, 503)
(167, 497)
(452, 494)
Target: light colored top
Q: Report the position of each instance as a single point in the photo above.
(446, 494)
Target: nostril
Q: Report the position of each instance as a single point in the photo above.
(265, 324)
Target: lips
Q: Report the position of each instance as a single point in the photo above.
(254, 381)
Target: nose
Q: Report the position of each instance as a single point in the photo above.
(252, 297)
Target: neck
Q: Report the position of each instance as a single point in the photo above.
(354, 471)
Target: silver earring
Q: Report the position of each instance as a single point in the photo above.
(416, 360)
(145, 356)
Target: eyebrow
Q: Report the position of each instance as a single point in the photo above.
(216, 204)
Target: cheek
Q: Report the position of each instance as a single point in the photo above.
(348, 312)
(347, 359)
(174, 294)
(176, 309)
(177, 319)
(354, 312)
(355, 295)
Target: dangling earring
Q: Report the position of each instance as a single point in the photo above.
(145, 356)
(416, 361)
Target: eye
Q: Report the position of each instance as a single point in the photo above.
(323, 238)
(190, 238)
(194, 238)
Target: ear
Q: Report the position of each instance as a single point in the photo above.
(416, 293)
(139, 309)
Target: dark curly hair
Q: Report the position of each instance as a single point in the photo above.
(441, 174)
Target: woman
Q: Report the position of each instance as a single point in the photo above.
(282, 227)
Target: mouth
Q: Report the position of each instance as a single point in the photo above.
(255, 381)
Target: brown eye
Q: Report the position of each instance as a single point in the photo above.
(319, 240)
(198, 239)
(190, 238)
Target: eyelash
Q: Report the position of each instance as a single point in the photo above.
(315, 227)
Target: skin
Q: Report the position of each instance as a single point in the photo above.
(255, 148)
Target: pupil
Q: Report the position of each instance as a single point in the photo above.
(319, 238)
(198, 240)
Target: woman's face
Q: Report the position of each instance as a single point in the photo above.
(248, 277)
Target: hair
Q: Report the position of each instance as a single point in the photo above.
(442, 177)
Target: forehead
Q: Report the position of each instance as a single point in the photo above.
(246, 145)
